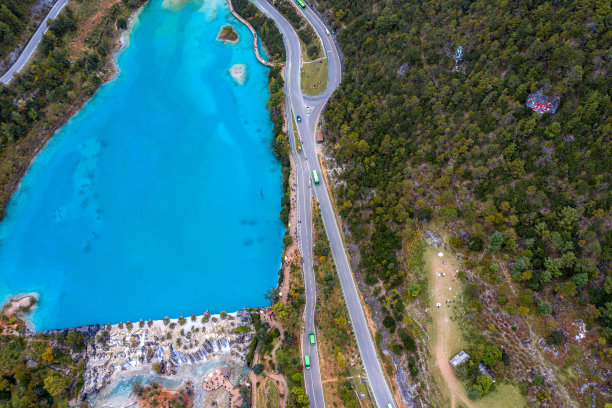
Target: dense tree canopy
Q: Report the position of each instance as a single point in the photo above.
(14, 16)
(459, 147)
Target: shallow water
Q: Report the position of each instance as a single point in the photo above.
(161, 196)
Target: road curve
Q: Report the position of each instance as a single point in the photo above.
(306, 161)
(34, 40)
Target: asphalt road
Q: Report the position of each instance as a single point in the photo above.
(31, 45)
(306, 161)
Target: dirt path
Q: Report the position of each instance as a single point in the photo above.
(444, 292)
(283, 393)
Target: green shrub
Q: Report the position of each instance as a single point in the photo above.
(555, 338)
(545, 308)
(258, 368)
(121, 23)
(389, 323)
(474, 392)
(496, 241)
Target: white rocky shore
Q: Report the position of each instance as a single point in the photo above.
(166, 345)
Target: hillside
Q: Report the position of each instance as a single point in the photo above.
(423, 145)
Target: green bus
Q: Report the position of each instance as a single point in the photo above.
(315, 177)
(307, 361)
(301, 3)
(312, 338)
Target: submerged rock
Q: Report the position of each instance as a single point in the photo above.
(238, 72)
(174, 4)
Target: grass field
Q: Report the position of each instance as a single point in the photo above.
(505, 396)
(314, 77)
(267, 394)
(271, 395)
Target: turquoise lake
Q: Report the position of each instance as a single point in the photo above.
(162, 195)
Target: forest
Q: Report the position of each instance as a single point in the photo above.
(422, 143)
(14, 16)
(458, 146)
(41, 371)
(265, 27)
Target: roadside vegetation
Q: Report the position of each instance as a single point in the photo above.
(314, 76)
(306, 33)
(286, 359)
(289, 361)
(341, 366)
(18, 20)
(522, 196)
(271, 38)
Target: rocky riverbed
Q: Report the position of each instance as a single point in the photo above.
(163, 346)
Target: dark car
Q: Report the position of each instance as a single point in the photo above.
(299, 119)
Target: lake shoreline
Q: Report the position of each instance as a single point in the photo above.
(42, 134)
(94, 148)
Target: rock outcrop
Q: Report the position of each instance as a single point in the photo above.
(166, 344)
(88, 332)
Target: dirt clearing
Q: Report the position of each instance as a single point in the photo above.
(446, 339)
(89, 21)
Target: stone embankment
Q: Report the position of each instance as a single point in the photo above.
(165, 345)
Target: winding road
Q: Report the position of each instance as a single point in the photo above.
(33, 42)
(306, 161)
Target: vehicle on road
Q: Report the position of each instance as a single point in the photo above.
(315, 177)
(301, 3)
(389, 405)
(312, 338)
(308, 110)
(327, 31)
(307, 361)
(299, 119)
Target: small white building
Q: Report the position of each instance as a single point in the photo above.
(459, 359)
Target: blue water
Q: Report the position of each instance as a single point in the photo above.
(162, 195)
